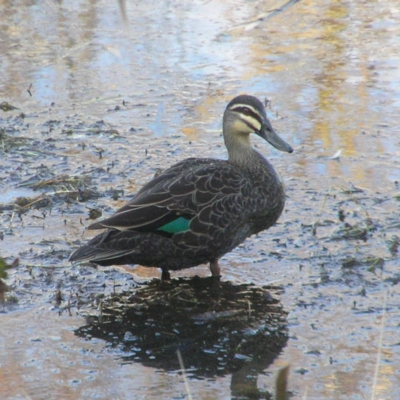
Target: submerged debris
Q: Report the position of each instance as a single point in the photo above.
(66, 189)
(350, 232)
(27, 203)
(8, 142)
(371, 262)
(59, 182)
(393, 244)
(94, 213)
(3, 275)
(7, 106)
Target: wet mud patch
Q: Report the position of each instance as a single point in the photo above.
(67, 290)
(343, 287)
(51, 182)
(338, 224)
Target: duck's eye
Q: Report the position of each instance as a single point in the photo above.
(247, 111)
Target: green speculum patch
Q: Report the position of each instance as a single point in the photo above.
(180, 224)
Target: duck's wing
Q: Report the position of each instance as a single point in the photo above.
(171, 200)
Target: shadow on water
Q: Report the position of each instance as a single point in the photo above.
(219, 328)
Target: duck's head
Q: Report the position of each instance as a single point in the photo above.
(245, 115)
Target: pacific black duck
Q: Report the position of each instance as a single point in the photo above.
(200, 208)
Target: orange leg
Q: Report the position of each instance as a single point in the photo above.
(214, 267)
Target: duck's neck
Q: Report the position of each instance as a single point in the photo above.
(239, 149)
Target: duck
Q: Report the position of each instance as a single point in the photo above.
(199, 209)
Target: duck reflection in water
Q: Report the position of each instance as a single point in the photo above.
(238, 330)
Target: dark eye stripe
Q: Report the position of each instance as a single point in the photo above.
(247, 111)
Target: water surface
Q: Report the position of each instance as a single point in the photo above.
(108, 92)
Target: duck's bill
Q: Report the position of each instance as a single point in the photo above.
(268, 133)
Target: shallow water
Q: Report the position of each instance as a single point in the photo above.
(118, 90)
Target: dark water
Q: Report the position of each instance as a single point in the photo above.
(106, 97)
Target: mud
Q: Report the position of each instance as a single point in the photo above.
(96, 101)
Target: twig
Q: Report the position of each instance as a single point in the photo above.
(353, 198)
(378, 357)
(281, 383)
(178, 352)
(315, 224)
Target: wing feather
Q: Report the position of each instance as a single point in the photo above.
(185, 189)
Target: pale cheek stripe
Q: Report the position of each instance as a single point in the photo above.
(251, 121)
